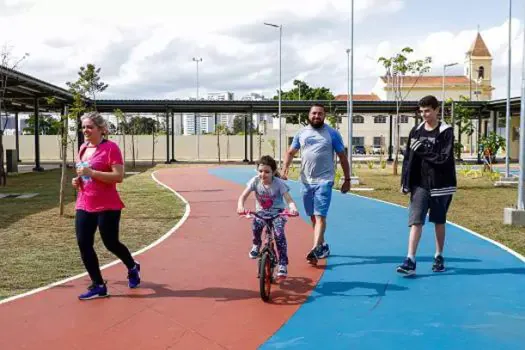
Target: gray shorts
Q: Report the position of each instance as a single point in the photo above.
(421, 203)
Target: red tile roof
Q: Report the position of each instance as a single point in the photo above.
(433, 80)
(478, 48)
(358, 97)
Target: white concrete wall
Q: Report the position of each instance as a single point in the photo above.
(232, 147)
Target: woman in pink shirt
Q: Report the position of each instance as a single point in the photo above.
(99, 168)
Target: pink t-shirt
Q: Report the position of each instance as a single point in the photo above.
(94, 195)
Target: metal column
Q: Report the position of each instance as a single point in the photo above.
(37, 137)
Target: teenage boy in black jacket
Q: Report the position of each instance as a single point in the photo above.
(429, 175)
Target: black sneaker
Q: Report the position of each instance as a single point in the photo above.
(439, 264)
(312, 257)
(407, 268)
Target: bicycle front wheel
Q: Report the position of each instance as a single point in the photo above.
(265, 279)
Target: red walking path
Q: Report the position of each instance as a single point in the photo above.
(199, 288)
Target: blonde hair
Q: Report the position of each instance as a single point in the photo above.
(98, 120)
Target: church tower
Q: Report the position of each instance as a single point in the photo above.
(478, 68)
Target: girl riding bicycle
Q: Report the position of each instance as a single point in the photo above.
(270, 191)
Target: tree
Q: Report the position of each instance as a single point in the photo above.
(6, 61)
(88, 84)
(220, 129)
(260, 135)
(64, 135)
(238, 124)
(133, 124)
(154, 134)
(272, 144)
(462, 119)
(303, 91)
(334, 120)
(490, 146)
(122, 127)
(140, 125)
(75, 110)
(397, 67)
(48, 125)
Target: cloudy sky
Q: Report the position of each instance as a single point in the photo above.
(145, 48)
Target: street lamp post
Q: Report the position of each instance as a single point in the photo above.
(521, 180)
(445, 66)
(350, 95)
(507, 130)
(280, 82)
(516, 216)
(196, 118)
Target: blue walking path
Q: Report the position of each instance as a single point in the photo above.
(361, 303)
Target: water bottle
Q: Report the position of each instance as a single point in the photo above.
(84, 164)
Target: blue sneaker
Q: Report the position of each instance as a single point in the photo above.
(134, 276)
(95, 291)
(407, 268)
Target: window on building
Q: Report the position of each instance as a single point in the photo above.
(358, 119)
(501, 121)
(358, 141)
(380, 119)
(481, 72)
(378, 141)
(403, 119)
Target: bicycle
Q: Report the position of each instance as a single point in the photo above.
(267, 255)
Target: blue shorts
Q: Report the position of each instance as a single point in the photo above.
(316, 198)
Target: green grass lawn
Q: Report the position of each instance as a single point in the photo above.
(477, 205)
(38, 246)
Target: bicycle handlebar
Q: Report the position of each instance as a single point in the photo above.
(249, 213)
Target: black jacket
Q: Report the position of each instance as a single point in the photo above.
(440, 161)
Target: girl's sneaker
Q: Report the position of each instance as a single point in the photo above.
(282, 272)
(254, 253)
(95, 291)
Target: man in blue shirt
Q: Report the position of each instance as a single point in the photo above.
(318, 142)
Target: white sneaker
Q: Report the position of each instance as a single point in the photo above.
(283, 271)
(254, 253)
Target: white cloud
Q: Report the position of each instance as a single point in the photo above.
(145, 48)
(143, 41)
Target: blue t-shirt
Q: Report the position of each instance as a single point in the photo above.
(269, 198)
(317, 153)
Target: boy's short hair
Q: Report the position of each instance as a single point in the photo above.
(429, 101)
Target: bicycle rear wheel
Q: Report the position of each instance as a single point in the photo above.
(265, 279)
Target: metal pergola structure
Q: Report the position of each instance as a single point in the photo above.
(25, 93)
(170, 107)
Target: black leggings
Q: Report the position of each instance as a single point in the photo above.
(86, 224)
